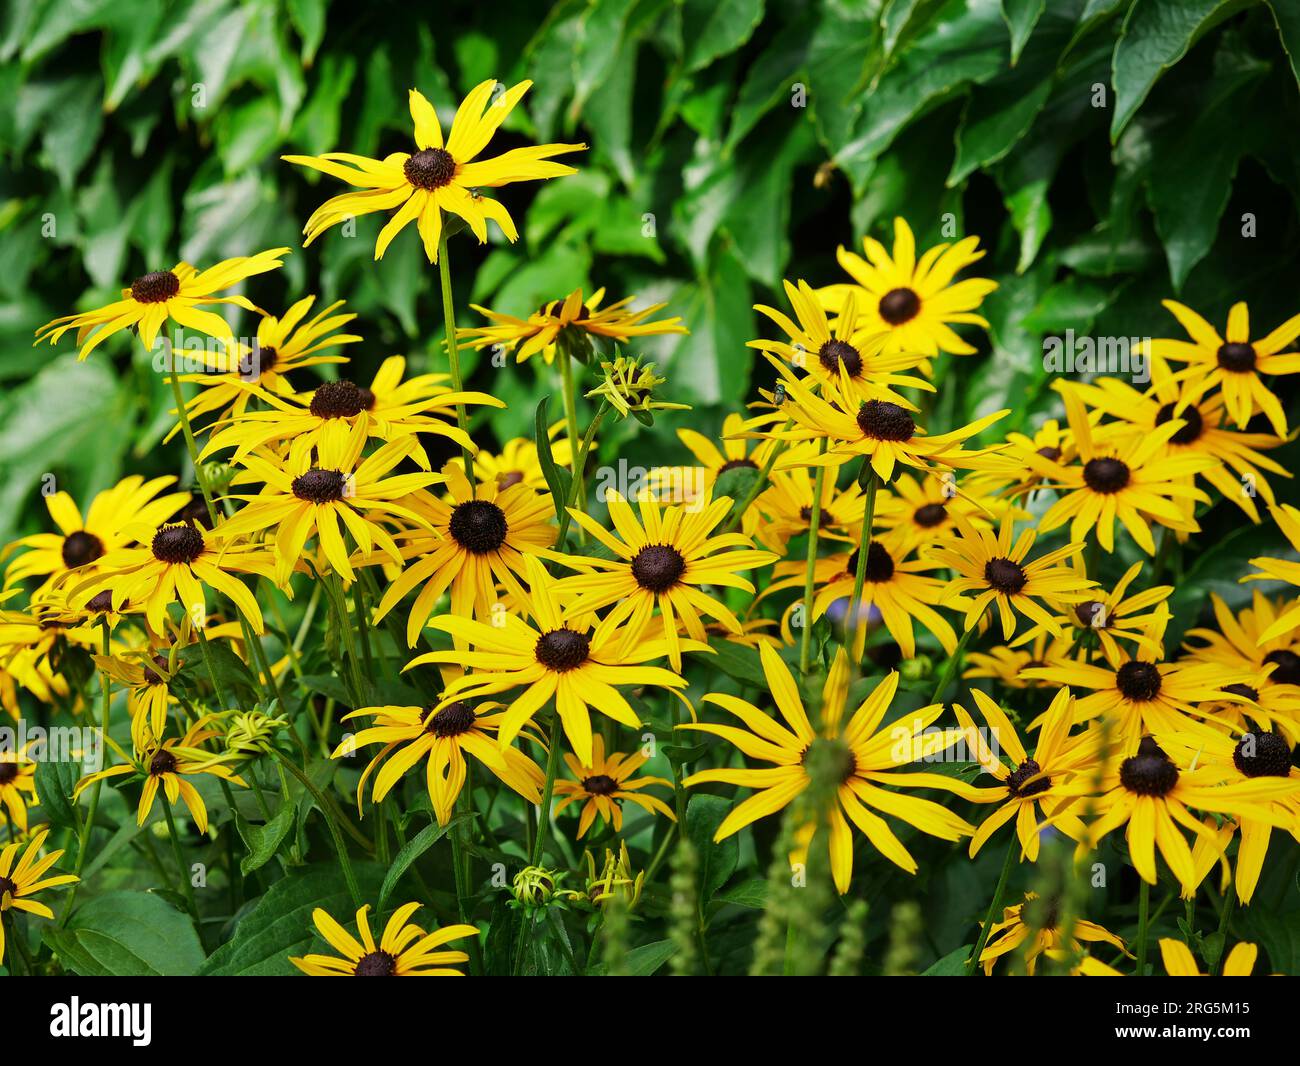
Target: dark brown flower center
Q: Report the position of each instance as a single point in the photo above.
(452, 720)
(1004, 576)
(1236, 357)
(1138, 681)
(509, 479)
(882, 420)
(562, 650)
(179, 543)
(8, 771)
(1287, 667)
(195, 513)
(1259, 754)
(836, 353)
(600, 785)
(1042, 913)
(1148, 775)
(899, 305)
(153, 678)
(737, 464)
(376, 964)
(100, 602)
(8, 887)
(1050, 453)
(658, 567)
(80, 548)
(929, 515)
(1242, 690)
(1019, 783)
(337, 399)
(320, 486)
(880, 565)
(1193, 423)
(430, 168)
(264, 359)
(1106, 475)
(163, 762)
(478, 526)
(156, 287)
(1091, 614)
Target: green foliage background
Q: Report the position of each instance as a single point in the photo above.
(1108, 153)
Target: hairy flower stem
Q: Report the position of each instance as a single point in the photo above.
(453, 353)
(810, 566)
(548, 789)
(950, 667)
(186, 887)
(995, 906)
(853, 621)
(1144, 906)
(88, 826)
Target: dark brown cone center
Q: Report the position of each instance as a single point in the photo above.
(836, 353)
(177, 544)
(600, 785)
(1259, 754)
(452, 720)
(1236, 357)
(478, 526)
(1005, 576)
(899, 305)
(320, 486)
(562, 650)
(1027, 771)
(80, 548)
(1148, 775)
(337, 399)
(1138, 681)
(658, 567)
(376, 964)
(430, 168)
(1193, 424)
(1106, 476)
(882, 420)
(156, 287)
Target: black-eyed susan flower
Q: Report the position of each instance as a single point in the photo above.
(999, 572)
(1180, 962)
(883, 431)
(472, 542)
(1233, 362)
(898, 588)
(444, 738)
(165, 765)
(1142, 695)
(517, 461)
(327, 494)
(869, 755)
(786, 506)
(1126, 476)
(405, 949)
(439, 176)
(22, 878)
(1033, 926)
(561, 656)
(1151, 796)
(662, 561)
(147, 678)
(915, 512)
(1240, 465)
(1254, 755)
(1004, 663)
(17, 784)
(603, 784)
(572, 316)
(179, 295)
(302, 418)
(1030, 784)
(1288, 570)
(180, 561)
(1113, 617)
(83, 541)
(914, 300)
(284, 344)
(852, 351)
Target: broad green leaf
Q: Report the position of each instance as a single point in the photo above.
(738, 661)
(1021, 17)
(54, 784)
(716, 860)
(713, 28)
(263, 841)
(643, 961)
(415, 847)
(1286, 16)
(951, 965)
(133, 934)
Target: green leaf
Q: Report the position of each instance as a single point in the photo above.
(738, 661)
(1156, 35)
(558, 480)
(751, 893)
(643, 961)
(717, 861)
(263, 841)
(279, 923)
(415, 847)
(951, 965)
(54, 784)
(713, 28)
(1286, 16)
(132, 934)
(1021, 16)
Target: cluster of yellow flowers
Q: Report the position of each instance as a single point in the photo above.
(537, 614)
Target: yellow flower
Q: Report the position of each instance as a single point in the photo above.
(1179, 961)
(868, 753)
(17, 784)
(439, 176)
(1037, 919)
(912, 299)
(147, 676)
(518, 461)
(22, 880)
(540, 331)
(405, 950)
(604, 783)
(1233, 362)
(661, 561)
(561, 657)
(178, 294)
(1288, 521)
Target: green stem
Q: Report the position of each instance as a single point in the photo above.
(1225, 918)
(339, 846)
(212, 668)
(810, 566)
(950, 667)
(760, 483)
(186, 887)
(864, 550)
(580, 463)
(1144, 905)
(995, 905)
(87, 827)
(453, 353)
(544, 815)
